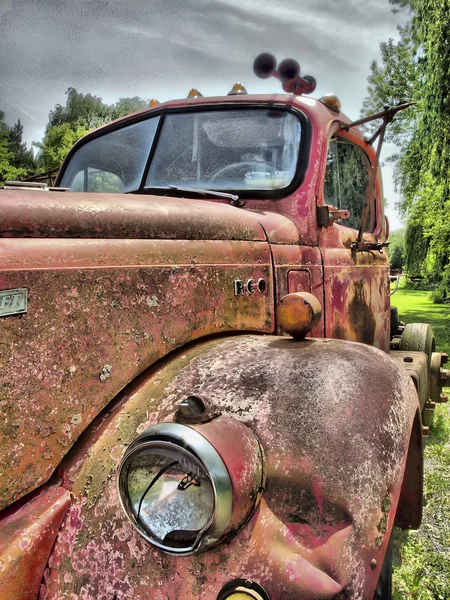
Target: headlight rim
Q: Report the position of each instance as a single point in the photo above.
(183, 438)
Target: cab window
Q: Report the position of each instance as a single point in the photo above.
(112, 162)
(347, 180)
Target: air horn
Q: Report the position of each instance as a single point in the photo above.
(288, 73)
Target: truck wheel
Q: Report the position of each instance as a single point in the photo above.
(418, 337)
(384, 585)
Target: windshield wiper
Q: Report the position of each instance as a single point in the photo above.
(235, 200)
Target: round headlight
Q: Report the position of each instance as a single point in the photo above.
(175, 489)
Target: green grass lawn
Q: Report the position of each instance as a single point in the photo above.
(415, 306)
(422, 558)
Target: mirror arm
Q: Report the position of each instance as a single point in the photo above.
(387, 116)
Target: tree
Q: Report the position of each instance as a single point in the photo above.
(396, 258)
(80, 109)
(7, 169)
(396, 249)
(81, 113)
(125, 106)
(419, 65)
(392, 82)
(56, 144)
(22, 157)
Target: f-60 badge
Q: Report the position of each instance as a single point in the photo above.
(249, 287)
(13, 302)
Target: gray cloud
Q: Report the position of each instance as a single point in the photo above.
(162, 48)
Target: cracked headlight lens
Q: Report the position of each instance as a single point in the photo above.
(171, 495)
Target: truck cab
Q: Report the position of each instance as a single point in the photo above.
(202, 393)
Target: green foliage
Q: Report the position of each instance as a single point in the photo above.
(416, 247)
(393, 82)
(8, 169)
(80, 109)
(57, 142)
(438, 295)
(81, 113)
(418, 68)
(396, 249)
(396, 257)
(125, 106)
(23, 157)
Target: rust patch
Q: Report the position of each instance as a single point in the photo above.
(361, 317)
(317, 411)
(26, 539)
(339, 332)
(382, 525)
(92, 329)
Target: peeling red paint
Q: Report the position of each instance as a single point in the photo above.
(27, 537)
(119, 322)
(117, 283)
(333, 536)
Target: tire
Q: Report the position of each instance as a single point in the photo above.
(384, 585)
(418, 337)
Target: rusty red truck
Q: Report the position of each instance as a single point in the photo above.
(203, 393)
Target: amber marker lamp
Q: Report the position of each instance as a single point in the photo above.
(194, 93)
(332, 102)
(237, 89)
(298, 313)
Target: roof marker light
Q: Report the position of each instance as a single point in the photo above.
(237, 88)
(332, 102)
(194, 94)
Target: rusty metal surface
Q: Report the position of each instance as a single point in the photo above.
(93, 215)
(241, 453)
(410, 504)
(299, 269)
(416, 365)
(356, 285)
(278, 228)
(356, 292)
(334, 420)
(27, 536)
(99, 314)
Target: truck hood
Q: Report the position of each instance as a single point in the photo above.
(41, 214)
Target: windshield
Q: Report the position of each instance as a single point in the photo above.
(227, 150)
(238, 149)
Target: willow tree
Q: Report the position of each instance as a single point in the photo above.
(417, 68)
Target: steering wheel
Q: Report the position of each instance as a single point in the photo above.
(240, 166)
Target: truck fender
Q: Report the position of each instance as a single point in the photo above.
(410, 504)
(334, 420)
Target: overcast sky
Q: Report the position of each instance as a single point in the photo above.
(162, 48)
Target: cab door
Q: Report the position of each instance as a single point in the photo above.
(355, 282)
